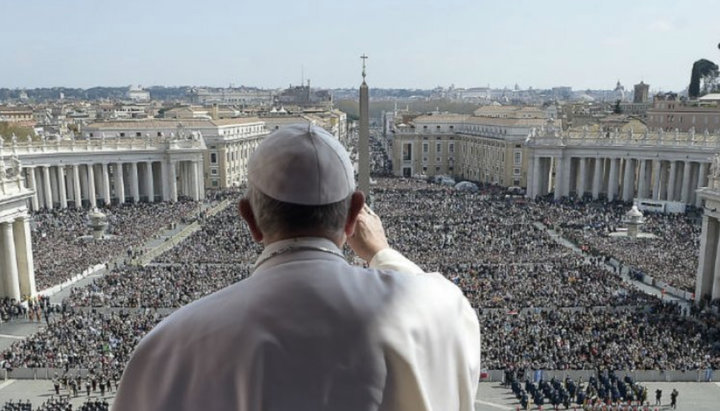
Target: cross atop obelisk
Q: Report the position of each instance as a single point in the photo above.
(363, 57)
(364, 137)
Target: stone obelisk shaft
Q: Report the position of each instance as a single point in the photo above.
(364, 142)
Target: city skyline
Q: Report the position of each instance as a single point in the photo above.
(410, 44)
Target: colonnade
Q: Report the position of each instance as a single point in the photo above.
(617, 178)
(91, 184)
(17, 278)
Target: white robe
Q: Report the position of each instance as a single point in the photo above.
(308, 331)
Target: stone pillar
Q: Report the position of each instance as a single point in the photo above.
(597, 178)
(657, 176)
(62, 193)
(106, 183)
(537, 174)
(685, 189)
(559, 177)
(642, 182)
(702, 181)
(583, 177)
(706, 262)
(47, 191)
(613, 179)
(9, 260)
(119, 183)
(629, 180)
(91, 186)
(32, 184)
(529, 193)
(671, 181)
(172, 181)
(149, 183)
(716, 274)
(77, 193)
(194, 170)
(23, 249)
(134, 182)
(164, 176)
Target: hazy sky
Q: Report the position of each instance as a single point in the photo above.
(411, 43)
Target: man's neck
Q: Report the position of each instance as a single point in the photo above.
(339, 241)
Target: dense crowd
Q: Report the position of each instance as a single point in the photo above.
(86, 339)
(541, 305)
(224, 238)
(56, 404)
(157, 286)
(59, 252)
(671, 256)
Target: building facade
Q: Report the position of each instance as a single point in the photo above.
(669, 112)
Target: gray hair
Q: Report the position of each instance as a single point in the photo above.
(278, 217)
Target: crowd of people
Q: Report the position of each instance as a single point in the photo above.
(100, 341)
(60, 252)
(157, 285)
(541, 305)
(675, 238)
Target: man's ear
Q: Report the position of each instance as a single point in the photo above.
(357, 201)
(247, 214)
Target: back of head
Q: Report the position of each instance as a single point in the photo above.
(301, 179)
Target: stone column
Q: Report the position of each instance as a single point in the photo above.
(629, 180)
(559, 177)
(32, 184)
(62, 193)
(671, 181)
(194, 181)
(685, 189)
(47, 191)
(706, 262)
(642, 182)
(536, 177)
(9, 261)
(91, 186)
(164, 177)
(119, 183)
(613, 179)
(596, 178)
(702, 181)
(530, 177)
(23, 249)
(106, 183)
(583, 177)
(172, 181)
(134, 182)
(77, 193)
(716, 273)
(149, 183)
(657, 175)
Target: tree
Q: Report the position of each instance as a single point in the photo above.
(617, 109)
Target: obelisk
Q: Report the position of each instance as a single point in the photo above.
(364, 137)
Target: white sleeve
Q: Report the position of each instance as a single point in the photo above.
(389, 259)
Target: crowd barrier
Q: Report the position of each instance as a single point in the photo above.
(637, 375)
(707, 375)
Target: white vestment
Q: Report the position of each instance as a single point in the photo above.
(308, 331)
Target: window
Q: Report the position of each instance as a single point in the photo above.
(451, 147)
(407, 152)
(437, 169)
(516, 171)
(214, 171)
(137, 134)
(438, 148)
(425, 147)
(214, 183)
(518, 157)
(122, 134)
(213, 157)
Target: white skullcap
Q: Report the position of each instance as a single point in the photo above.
(302, 164)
